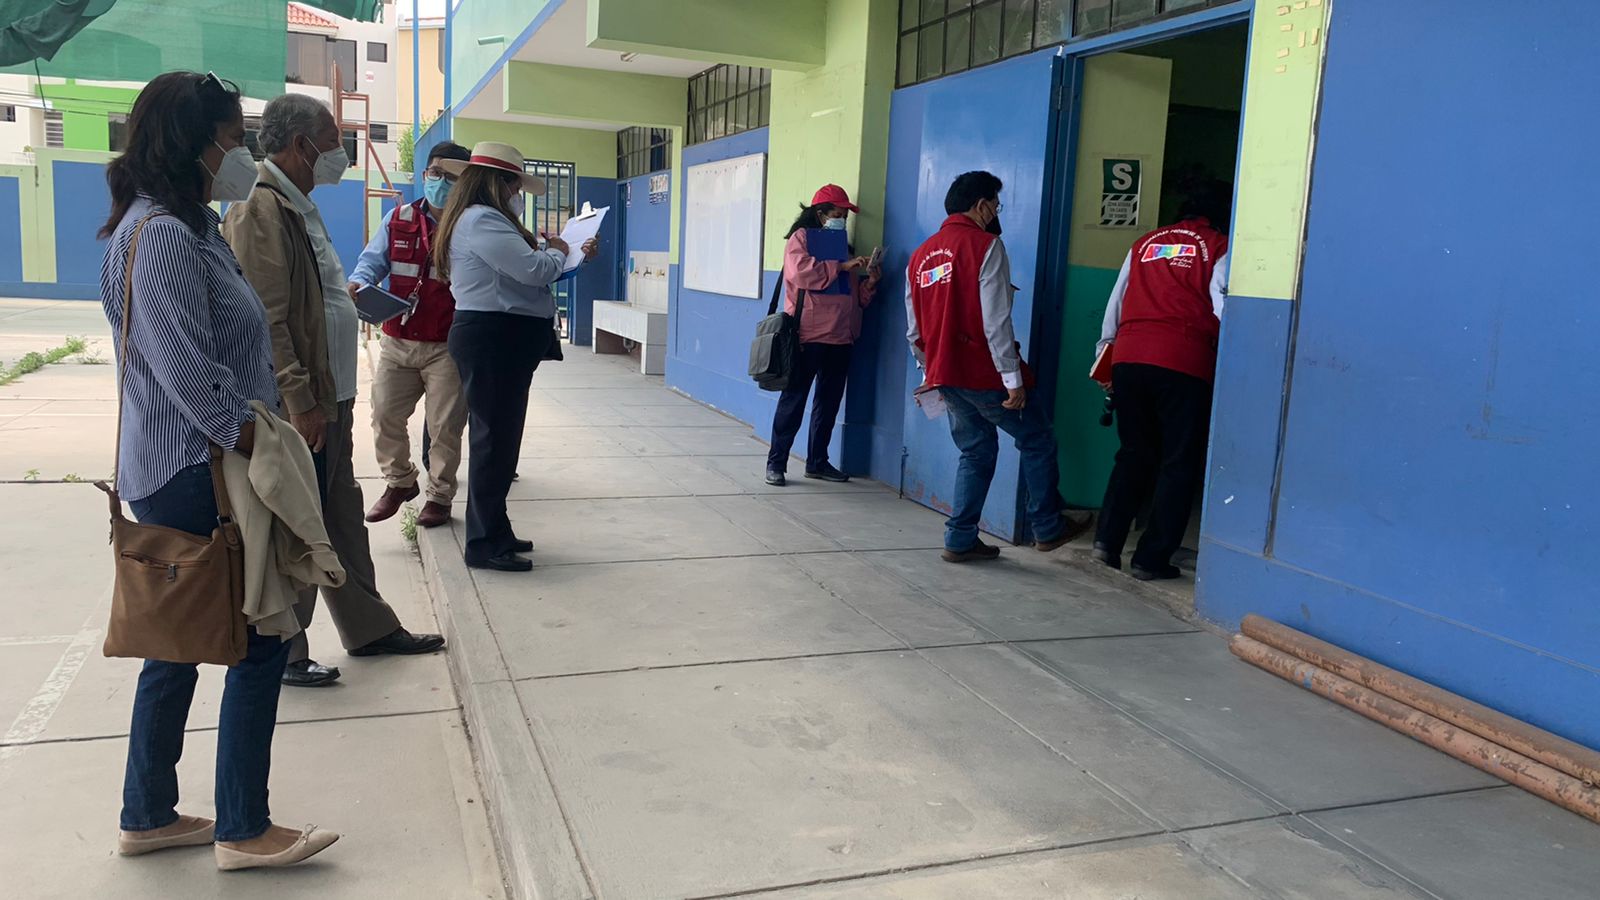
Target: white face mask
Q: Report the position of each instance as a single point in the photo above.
(330, 165)
(519, 205)
(834, 224)
(235, 176)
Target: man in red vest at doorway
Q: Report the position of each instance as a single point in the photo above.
(414, 360)
(1162, 322)
(958, 320)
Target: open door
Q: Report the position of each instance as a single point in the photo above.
(1120, 158)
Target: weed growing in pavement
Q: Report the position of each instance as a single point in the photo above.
(408, 523)
(31, 476)
(34, 361)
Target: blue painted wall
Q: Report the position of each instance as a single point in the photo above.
(708, 338)
(10, 230)
(597, 279)
(1438, 493)
(81, 206)
(937, 131)
(649, 225)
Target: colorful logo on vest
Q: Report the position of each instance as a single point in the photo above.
(930, 277)
(1154, 252)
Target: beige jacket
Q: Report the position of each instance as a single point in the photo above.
(270, 239)
(275, 502)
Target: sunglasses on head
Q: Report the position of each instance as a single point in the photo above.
(210, 81)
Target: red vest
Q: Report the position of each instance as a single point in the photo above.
(410, 243)
(1167, 317)
(945, 300)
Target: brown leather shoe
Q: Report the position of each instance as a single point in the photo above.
(1071, 527)
(433, 514)
(391, 501)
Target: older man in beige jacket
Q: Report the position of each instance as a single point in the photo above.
(283, 246)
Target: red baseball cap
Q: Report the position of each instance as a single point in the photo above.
(832, 193)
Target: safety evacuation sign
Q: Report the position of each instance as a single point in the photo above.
(1119, 193)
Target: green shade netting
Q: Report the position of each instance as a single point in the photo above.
(136, 40)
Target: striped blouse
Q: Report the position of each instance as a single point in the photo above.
(200, 351)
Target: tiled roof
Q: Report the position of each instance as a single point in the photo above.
(300, 15)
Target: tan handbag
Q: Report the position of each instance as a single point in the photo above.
(177, 597)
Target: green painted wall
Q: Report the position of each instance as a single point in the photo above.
(535, 89)
(594, 153)
(85, 110)
(1123, 115)
(475, 19)
(771, 35)
(831, 124)
(1286, 50)
(36, 207)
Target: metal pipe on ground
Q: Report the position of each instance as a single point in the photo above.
(1513, 767)
(1556, 752)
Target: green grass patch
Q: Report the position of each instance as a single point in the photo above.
(33, 362)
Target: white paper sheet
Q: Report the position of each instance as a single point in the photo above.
(578, 231)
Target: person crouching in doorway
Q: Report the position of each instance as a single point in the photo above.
(414, 356)
(824, 288)
(1162, 321)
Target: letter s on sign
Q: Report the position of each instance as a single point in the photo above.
(1122, 176)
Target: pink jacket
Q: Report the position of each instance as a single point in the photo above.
(827, 318)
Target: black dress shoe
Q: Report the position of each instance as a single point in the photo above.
(1161, 573)
(306, 673)
(1103, 554)
(775, 478)
(521, 546)
(826, 472)
(505, 562)
(401, 643)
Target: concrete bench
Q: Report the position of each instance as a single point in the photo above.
(618, 326)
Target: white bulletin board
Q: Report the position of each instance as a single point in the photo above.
(723, 224)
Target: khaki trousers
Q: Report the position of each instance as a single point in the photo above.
(408, 371)
(359, 611)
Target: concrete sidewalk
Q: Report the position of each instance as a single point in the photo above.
(381, 757)
(709, 687)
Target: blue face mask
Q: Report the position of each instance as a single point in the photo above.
(833, 224)
(436, 190)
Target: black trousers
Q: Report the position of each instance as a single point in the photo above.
(829, 366)
(1162, 420)
(497, 354)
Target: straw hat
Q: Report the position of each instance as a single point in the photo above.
(495, 155)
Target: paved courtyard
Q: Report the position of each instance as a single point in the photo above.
(709, 688)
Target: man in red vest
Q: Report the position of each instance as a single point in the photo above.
(414, 359)
(958, 320)
(1162, 322)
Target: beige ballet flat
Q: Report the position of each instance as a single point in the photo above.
(313, 840)
(188, 831)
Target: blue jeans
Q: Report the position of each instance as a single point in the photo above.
(976, 417)
(161, 706)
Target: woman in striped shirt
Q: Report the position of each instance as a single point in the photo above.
(198, 353)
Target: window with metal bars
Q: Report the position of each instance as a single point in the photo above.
(641, 151)
(54, 129)
(726, 100)
(943, 37)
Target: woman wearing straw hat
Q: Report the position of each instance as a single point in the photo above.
(504, 326)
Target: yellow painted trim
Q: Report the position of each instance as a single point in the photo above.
(1288, 44)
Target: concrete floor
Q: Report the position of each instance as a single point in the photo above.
(381, 757)
(709, 687)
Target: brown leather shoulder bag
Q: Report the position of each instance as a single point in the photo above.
(177, 597)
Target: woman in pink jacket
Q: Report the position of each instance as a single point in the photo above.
(830, 322)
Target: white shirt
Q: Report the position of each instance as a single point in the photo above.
(492, 268)
(344, 326)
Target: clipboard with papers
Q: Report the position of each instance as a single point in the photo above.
(577, 232)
